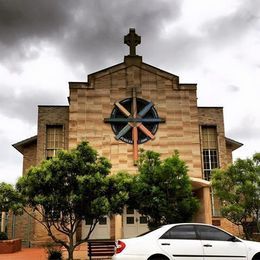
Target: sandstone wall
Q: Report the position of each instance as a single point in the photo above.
(91, 102)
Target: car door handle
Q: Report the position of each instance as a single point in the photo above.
(207, 245)
(165, 244)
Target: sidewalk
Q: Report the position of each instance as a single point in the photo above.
(26, 254)
(40, 254)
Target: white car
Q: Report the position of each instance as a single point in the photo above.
(187, 242)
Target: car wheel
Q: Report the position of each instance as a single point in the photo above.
(158, 257)
(256, 257)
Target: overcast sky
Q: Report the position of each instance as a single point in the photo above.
(46, 44)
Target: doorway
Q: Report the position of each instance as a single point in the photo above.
(134, 223)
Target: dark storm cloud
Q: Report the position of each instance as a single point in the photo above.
(90, 33)
(96, 36)
(86, 32)
(24, 106)
(26, 25)
(20, 20)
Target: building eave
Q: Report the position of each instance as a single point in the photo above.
(234, 144)
(19, 146)
(210, 107)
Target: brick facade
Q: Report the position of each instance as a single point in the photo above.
(51, 115)
(214, 116)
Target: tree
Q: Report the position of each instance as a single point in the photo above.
(238, 188)
(162, 190)
(69, 188)
(9, 200)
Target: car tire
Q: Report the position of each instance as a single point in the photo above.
(256, 257)
(158, 257)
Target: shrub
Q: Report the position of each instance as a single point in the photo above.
(54, 253)
(3, 236)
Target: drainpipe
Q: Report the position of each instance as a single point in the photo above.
(13, 225)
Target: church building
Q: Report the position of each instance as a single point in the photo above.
(119, 110)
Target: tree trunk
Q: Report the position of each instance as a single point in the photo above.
(247, 231)
(71, 247)
(70, 253)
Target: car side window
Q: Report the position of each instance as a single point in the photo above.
(212, 233)
(180, 232)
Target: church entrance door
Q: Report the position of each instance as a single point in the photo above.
(134, 224)
(101, 231)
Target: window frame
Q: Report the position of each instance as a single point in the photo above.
(179, 226)
(212, 163)
(231, 237)
(53, 150)
(209, 150)
(196, 227)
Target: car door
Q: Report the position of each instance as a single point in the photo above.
(219, 245)
(181, 243)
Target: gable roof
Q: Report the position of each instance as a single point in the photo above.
(233, 144)
(129, 62)
(132, 61)
(20, 145)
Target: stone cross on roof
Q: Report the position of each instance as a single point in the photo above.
(132, 40)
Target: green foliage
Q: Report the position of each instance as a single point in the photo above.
(162, 191)
(9, 199)
(72, 187)
(238, 188)
(3, 236)
(120, 186)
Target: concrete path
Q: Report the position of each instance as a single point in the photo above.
(26, 254)
(40, 254)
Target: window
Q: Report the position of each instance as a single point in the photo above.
(210, 160)
(143, 220)
(180, 232)
(54, 140)
(102, 221)
(209, 150)
(130, 220)
(211, 233)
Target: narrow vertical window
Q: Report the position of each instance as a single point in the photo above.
(54, 140)
(210, 160)
(209, 150)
